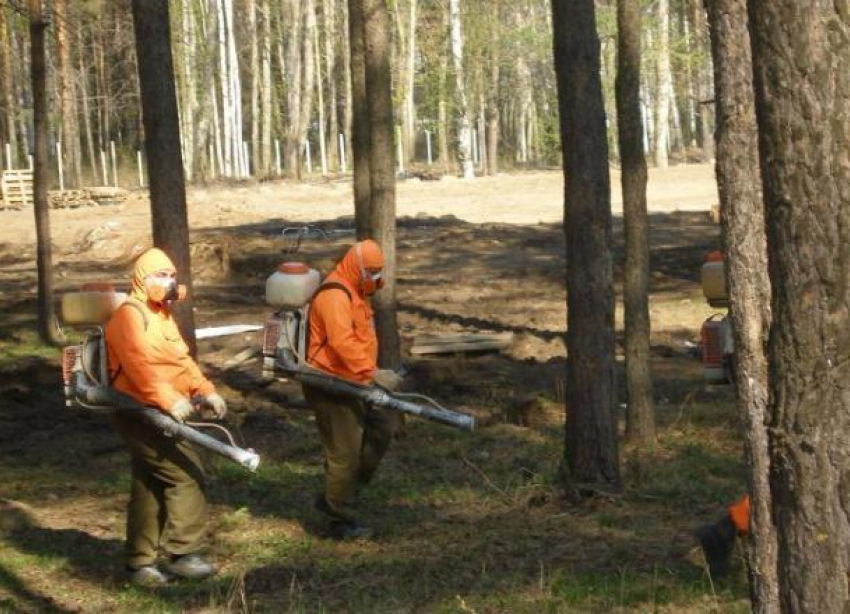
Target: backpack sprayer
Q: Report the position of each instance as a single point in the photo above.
(86, 374)
(290, 290)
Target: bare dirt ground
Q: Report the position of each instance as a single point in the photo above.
(466, 523)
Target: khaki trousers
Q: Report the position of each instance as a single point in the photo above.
(355, 438)
(167, 504)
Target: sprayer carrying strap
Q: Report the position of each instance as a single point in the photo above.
(135, 304)
(328, 285)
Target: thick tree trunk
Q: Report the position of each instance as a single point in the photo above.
(361, 129)
(640, 415)
(591, 432)
(162, 144)
(749, 284)
(464, 125)
(800, 59)
(47, 331)
(376, 38)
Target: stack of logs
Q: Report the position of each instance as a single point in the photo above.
(86, 197)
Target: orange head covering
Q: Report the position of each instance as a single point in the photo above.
(362, 255)
(150, 262)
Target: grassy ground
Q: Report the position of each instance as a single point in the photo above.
(467, 523)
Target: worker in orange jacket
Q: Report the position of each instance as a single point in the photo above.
(150, 361)
(718, 539)
(343, 342)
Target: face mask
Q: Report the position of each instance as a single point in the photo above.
(163, 289)
(370, 282)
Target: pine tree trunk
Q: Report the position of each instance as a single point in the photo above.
(493, 94)
(267, 121)
(47, 331)
(409, 102)
(293, 66)
(86, 112)
(309, 66)
(749, 284)
(320, 102)
(591, 431)
(67, 97)
(376, 38)
(8, 85)
(664, 86)
(640, 415)
(464, 126)
(329, 11)
(800, 60)
(162, 144)
(361, 129)
(346, 60)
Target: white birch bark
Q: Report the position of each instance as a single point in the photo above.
(665, 86)
(464, 131)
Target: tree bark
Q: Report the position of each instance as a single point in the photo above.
(493, 93)
(749, 285)
(591, 454)
(376, 38)
(664, 86)
(8, 86)
(47, 331)
(361, 130)
(640, 415)
(800, 59)
(162, 144)
(329, 12)
(464, 125)
(67, 96)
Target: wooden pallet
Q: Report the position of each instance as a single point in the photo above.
(16, 188)
(464, 342)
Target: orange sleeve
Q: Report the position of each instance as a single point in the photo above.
(200, 385)
(126, 338)
(342, 342)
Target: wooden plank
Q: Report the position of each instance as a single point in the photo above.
(470, 342)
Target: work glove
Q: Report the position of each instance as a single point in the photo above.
(181, 409)
(387, 379)
(216, 403)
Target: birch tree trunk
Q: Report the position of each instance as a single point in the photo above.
(86, 112)
(749, 284)
(256, 76)
(309, 65)
(493, 93)
(664, 86)
(442, 112)
(464, 126)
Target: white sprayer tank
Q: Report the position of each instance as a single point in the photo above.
(92, 306)
(292, 285)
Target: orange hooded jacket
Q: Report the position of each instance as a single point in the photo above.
(151, 361)
(342, 330)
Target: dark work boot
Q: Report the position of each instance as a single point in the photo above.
(718, 541)
(147, 575)
(351, 530)
(190, 567)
